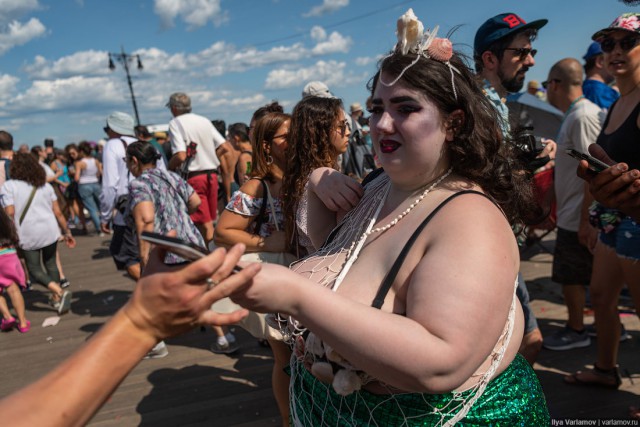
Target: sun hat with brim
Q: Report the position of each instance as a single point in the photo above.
(626, 22)
(121, 123)
(499, 27)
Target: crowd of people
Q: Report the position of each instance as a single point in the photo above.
(403, 219)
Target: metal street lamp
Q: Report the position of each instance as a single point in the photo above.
(124, 59)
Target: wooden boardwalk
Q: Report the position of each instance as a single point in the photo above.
(194, 387)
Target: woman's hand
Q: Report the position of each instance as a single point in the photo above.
(274, 289)
(336, 190)
(168, 301)
(616, 187)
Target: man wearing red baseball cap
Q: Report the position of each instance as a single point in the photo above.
(503, 55)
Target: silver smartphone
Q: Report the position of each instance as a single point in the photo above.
(595, 165)
(182, 248)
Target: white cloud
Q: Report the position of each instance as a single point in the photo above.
(327, 6)
(318, 33)
(330, 72)
(87, 63)
(335, 43)
(364, 60)
(14, 9)
(72, 94)
(17, 34)
(195, 13)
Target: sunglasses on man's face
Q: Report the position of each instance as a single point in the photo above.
(626, 44)
(522, 52)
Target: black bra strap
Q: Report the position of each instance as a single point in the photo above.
(393, 272)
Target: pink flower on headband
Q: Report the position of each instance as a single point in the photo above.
(627, 21)
(440, 49)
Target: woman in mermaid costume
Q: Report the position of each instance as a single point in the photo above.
(415, 321)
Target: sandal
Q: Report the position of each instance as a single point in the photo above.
(607, 378)
(7, 324)
(26, 328)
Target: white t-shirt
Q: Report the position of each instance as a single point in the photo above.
(579, 129)
(39, 227)
(192, 127)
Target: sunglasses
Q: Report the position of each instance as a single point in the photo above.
(545, 84)
(626, 44)
(282, 135)
(106, 129)
(342, 128)
(523, 52)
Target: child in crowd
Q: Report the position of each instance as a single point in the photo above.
(11, 277)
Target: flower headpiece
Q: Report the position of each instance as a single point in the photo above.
(413, 39)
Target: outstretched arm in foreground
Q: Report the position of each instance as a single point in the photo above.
(165, 303)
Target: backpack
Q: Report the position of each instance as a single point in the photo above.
(358, 160)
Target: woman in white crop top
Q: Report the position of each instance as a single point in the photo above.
(88, 172)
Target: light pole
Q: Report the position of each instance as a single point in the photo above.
(124, 59)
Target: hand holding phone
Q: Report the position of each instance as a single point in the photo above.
(182, 248)
(595, 165)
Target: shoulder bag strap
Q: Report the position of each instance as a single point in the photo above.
(263, 207)
(273, 209)
(26, 208)
(393, 272)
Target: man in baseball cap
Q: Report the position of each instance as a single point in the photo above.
(503, 55)
(597, 84)
(503, 52)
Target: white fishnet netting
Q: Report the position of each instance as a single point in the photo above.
(327, 267)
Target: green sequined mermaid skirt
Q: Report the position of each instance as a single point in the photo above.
(513, 398)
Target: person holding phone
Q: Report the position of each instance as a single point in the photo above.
(617, 252)
(167, 301)
(615, 187)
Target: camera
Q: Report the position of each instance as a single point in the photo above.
(528, 147)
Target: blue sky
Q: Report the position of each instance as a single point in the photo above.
(230, 56)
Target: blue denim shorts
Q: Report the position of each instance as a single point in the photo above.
(624, 239)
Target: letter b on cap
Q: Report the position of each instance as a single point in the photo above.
(513, 20)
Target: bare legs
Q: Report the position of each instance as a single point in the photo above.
(279, 379)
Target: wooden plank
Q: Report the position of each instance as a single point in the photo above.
(195, 387)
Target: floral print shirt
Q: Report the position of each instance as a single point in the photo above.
(169, 194)
(246, 205)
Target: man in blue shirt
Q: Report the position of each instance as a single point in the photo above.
(596, 86)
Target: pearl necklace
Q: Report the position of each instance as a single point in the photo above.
(357, 245)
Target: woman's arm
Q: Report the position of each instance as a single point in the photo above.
(62, 222)
(193, 202)
(163, 304)
(241, 167)
(456, 301)
(331, 194)
(79, 165)
(143, 216)
(58, 171)
(232, 227)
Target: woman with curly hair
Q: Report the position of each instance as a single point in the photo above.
(317, 136)
(34, 208)
(407, 314)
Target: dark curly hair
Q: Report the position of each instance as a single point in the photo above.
(478, 151)
(8, 233)
(312, 121)
(25, 167)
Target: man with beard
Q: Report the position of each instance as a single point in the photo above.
(503, 55)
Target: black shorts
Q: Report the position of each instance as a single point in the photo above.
(124, 247)
(572, 262)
